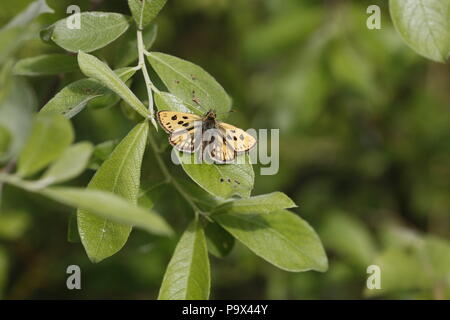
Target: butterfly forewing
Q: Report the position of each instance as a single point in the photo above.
(173, 120)
(240, 140)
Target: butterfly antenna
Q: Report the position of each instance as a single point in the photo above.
(226, 112)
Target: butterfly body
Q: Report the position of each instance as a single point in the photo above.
(219, 141)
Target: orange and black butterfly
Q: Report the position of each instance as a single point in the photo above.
(189, 132)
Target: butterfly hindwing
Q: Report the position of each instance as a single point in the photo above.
(216, 147)
(188, 139)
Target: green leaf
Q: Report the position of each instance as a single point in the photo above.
(73, 98)
(119, 174)
(34, 9)
(188, 276)
(94, 68)
(50, 136)
(5, 140)
(265, 203)
(167, 101)
(47, 64)
(190, 83)
(221, 180)
(69, 165)
(356, 247)
(424, 25)
(144, 11)
(281, 238)
(16, 112)
(97, 29)
(109, 206)
(72, 229)
(220, 242)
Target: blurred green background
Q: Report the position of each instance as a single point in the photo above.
(364, 151)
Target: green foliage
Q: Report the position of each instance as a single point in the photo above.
(35, 9)
(424, 25)
(47, 64)
(110, 207)
(13, 224)
(119, 174)
(265, 203)
(50, 136)
(220, 242)
(73, 98)
(281, 237)
(190, 83)
(127, 53)
(70, 164)
(357, 246)
(97, 29)
(222, 181)
(94, 68)
(144, 11)
(16, 110)
(357, 153)
(187, 276)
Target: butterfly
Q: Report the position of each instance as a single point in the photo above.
(219, 141)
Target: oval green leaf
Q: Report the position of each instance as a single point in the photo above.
(119, 174)
(281, 238)
(16, 115)
(144, 11)
(221, 180)
(97, 29)
(188, 275)
(265, 203)
(168, 101)
(50, 136)
(424, 25)
(190, 83)
(107, 205)
(73, 98)
(94, 68)
(71, 163)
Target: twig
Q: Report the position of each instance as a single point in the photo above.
(148, 83)
(170, 178)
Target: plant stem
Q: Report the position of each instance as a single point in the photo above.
(148, 83)
(170, 178)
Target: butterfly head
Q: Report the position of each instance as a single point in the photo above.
(210, 115)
